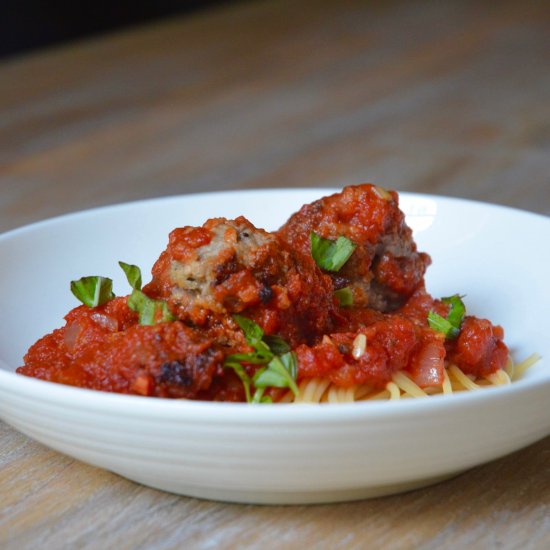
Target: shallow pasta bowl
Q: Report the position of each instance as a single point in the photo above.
(280, 454)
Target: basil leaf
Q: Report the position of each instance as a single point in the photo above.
(275, 376)
(290, 361)
(241, 373)
(133, 274)
(450, 326)
(259, 397)
(344, 296)
(253, 357)
(328, 254)
(150, 311)
(457, 311)
(276, 344)
(253, 332)
(281, 365)
(93, 291)
(442, 325)
(280, 373)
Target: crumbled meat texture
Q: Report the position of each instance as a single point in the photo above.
(385, 268)
(208, 273)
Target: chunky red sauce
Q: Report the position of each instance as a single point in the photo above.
(208, 274)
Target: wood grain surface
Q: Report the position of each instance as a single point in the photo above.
(447, 97)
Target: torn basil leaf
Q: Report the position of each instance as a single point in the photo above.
(344, 296)
(253, 333)
(442, 325)
(280, 364)
(252, 357)
(241, 373)
(93, 291)
(280, 373)
(133, 274)
(328, 254)
(276, 344)
(150, 311)
(449, 326)
(457, 311)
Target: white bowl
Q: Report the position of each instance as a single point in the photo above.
(280, 454)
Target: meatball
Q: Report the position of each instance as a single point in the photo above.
(385, 267)
(227, 267)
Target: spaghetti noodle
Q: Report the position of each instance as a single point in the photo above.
(316, 390)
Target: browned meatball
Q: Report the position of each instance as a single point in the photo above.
(385, 268)
(229, 266)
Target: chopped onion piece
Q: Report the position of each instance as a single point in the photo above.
(359, 346)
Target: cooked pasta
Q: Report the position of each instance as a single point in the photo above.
(319, 390)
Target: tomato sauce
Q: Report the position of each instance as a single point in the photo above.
(208, 274)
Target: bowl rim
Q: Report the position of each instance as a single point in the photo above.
(140, 406)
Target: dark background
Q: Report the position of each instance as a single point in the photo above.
(27, 25)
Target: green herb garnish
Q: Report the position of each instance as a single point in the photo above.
(280, 372)
(457, 310)
(442, 325)
(344, 296)
(133, 274)
(253, 333)
(150, 311)
(281, 365)
(241, 373)
(449, 326)
(93, 291)
(330, 255)
(276, 344)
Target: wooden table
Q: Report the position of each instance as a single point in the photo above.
(443, 97)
